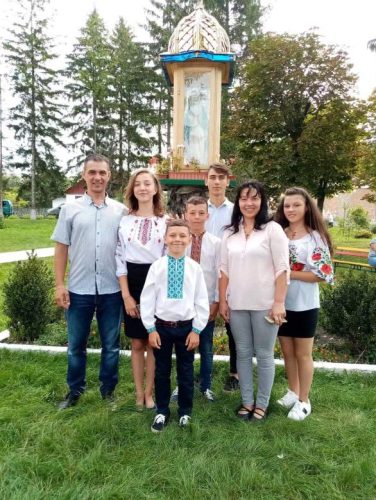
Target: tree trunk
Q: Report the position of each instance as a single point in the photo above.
(33, 213)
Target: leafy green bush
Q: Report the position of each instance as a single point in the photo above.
(54, 335)
(363, 233)
(28, 298)
(349, 311)
(359, 216)
(373, 229)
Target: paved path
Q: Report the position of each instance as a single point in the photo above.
(22, 255)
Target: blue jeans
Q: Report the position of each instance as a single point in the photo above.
(108, 309)
(206, 355)
(372, 260)
(171, 337)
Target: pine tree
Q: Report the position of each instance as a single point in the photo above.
(131, 106)
(36, 118)
(88, 70)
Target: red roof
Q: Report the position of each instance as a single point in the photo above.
(78, 188)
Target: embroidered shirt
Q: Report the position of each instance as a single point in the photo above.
(309, 253)
(210, 257)
(175, 290)
(196, 247)
(140, 241)
(219, 217)
(252, 265)
(90, 231)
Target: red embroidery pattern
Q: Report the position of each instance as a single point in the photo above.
(196, 247)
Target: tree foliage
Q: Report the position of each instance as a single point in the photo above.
(132, 114)
(293, 118)
(88, 71)
(36, 117)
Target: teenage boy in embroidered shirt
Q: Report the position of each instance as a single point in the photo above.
(220, 212)
(174, 310)
(206, 250)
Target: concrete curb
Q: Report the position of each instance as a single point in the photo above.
(6, 257)
(319, 365)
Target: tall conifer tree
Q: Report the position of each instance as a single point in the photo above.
(36, 118)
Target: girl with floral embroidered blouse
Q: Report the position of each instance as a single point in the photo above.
(140, 243)
(310, 250)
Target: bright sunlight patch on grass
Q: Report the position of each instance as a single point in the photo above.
(90, 451)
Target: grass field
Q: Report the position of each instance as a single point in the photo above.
(90, 451)
(25, 234)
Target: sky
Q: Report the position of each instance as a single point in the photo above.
(347, 24)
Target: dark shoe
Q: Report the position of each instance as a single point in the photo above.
(244, 413)
(159, 423)
(109, 398)
(232, 384)
(184, 421)
(259, 415)
(70, 400)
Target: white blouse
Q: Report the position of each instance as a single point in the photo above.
(253, 264)
(175, 290)
(309, 253)
(140, 241)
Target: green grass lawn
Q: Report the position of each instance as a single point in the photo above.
(25, 234)
(90, 451)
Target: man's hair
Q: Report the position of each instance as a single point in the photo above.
(177, 223)
(98, 158)
(196, 200)
(220, 168)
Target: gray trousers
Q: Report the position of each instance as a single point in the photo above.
(253, 334)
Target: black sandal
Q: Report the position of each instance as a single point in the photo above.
(247, 415)
(258, 415)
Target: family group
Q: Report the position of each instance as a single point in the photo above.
(170, 278)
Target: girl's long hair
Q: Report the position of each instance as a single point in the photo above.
(261, 218)
(313, 219)
(132, 202)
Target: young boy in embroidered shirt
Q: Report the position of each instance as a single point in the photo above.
(205, 249)
(174, 310)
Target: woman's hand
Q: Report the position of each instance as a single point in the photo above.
(224, 311)
(131, 307)
(278, 313)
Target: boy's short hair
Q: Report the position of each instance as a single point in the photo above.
(177, 223)
(220, 168)
(196, 200)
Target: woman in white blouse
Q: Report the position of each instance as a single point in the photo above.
(310, 263)
(252, 288)
(140, 243)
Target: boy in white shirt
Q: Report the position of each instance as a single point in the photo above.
(206, 250)
(174, 310)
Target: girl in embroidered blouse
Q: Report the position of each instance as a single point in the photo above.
(252, 288)
(310, 250)
(140, 243)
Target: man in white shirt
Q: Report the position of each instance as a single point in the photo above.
(174, 310)
(220, 212)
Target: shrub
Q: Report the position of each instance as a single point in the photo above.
(28, 298)
(373, 229)
(348, 310)
(359, 216)
(363, 233)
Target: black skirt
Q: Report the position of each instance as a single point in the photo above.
(300, 324)
(137, 273)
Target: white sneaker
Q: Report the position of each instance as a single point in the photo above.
(300, 410)
(288, 400)
(184, 421)
(175, 395)
(209, 395)
(159, 423)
